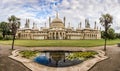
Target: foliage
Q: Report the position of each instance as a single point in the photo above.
(1, 37)
(14, 23)
(4, 28)
(60, 43)
(106, 21)
(8, 38)
(118, 35)
(28, 54)
(110, 34)
(81, 55)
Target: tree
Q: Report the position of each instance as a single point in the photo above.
(110, 34)
(4, 28)
(118, 35)
(106, 21)
(14, 24)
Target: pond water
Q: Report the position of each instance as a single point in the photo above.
(56, 59)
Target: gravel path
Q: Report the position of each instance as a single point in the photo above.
(111, 64)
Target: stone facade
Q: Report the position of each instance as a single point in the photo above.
(57, 31)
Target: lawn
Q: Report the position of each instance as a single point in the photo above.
(59, 43)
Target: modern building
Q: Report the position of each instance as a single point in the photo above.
(58, 31)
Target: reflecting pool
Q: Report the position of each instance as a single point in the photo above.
(56, 59)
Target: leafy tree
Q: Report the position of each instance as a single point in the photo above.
(14, 24)
(106, 21)
(4, 28)
(110, 34)
(118, 35)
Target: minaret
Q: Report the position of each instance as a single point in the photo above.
(69, 25)
(49, 21)
(33, 26)
(95, 25)
(64, 19)
(27, 23)
(85, 23)
(100, 28)
(80, 24)
(56, 14)
(45, 24)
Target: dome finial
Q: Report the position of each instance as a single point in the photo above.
(56, 14)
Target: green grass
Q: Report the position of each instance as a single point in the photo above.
(60, 43)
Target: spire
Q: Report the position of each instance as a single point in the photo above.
(69, 25)
(64, 19)
(80, 24)
(95, 25)
(49, 21)
(87, 25)
(33, 25)
(27, 23)
(100, 28)
(56, 14)
(45, 24)
(85, 22)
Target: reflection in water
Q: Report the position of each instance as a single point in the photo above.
(56, 59)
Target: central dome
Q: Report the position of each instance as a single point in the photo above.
(57, 23)
(57, 20)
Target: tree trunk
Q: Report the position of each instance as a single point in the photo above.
(105, 44)
(3, 36)
(105, 39)
(13, 42)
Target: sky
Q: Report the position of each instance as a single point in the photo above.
(75, 11)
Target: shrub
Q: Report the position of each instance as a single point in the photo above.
(28, 54)
(1, 37)
(8, 38)
(81, 55)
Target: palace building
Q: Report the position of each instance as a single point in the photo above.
(58, 31)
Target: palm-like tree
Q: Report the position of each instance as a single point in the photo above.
(106, 21)
(14, 24)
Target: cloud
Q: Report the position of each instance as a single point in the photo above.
(75, 11)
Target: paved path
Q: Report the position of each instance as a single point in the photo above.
(7, 64)
(111, 64)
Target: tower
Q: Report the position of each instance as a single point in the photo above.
(69, 25)
(27, 23)
(33, 26)
(95, 25)
(45, 24)
(56, 14)
(49, 21)
(80, 24)
(64, 19)
(87, 25)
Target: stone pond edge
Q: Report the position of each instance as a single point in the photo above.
(85, 66)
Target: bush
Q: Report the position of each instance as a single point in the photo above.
(8, 38)
(28, 54)
(81, 55)
(1, 37)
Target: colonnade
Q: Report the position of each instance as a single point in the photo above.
(56, 35)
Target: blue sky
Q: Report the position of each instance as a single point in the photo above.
(75, 11)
